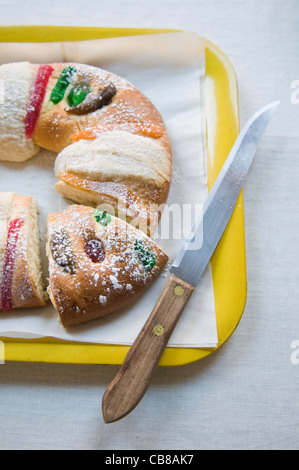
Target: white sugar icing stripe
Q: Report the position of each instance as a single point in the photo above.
(18, 79)
(117, 155)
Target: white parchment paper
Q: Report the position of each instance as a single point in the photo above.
(170, 70)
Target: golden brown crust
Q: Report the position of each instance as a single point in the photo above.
(56, 128)
(81, 289)
(135, 161)
(117, 199)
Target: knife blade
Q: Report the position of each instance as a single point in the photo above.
(131, 382)
(207, 230)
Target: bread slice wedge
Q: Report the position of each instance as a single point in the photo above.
(21, 279)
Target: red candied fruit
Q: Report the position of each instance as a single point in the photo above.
(95, 251)
(36, 98)
(9, 263)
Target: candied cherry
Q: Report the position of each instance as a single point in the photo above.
(95, 250)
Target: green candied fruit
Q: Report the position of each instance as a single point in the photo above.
(102, 217)
(145, 256)
(63, 82)
(78, 94)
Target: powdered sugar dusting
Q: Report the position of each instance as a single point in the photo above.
(120, 274)
(18, 79)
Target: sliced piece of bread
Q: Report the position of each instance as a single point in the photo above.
(21, 278)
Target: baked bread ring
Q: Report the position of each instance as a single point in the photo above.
(101, 126)
(97, 263)
(21, 280)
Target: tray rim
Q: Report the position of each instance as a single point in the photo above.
(229, 260)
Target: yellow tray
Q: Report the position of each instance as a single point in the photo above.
(229, 260)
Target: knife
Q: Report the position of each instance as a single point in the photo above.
(131, 382)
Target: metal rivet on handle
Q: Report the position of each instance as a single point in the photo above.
(158, 330)
(179, 291)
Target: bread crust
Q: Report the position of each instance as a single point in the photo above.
(56, 127)
(93, 289)
(116, 199)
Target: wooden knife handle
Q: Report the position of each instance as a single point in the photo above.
(130, 384)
